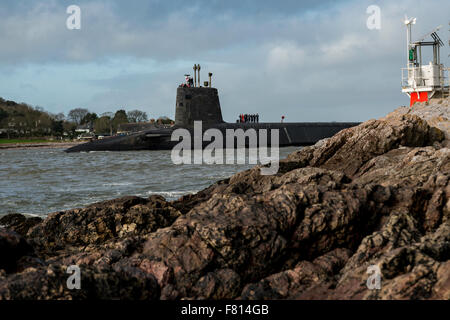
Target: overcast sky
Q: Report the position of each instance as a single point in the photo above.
(307, 60)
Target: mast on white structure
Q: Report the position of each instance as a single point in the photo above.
(422, 82)
(408, 23)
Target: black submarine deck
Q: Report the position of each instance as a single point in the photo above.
(202, 104)
(290, 134)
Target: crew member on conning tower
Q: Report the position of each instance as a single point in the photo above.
(189, 81)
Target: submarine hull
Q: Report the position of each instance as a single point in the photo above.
(290, 134)
(202, 104)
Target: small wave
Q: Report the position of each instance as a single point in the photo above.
(32, 214)
(114, 184)
(171, 194)
(27, 214)
(219, 177)
(96, 151)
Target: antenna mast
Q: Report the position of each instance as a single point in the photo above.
(408, 22)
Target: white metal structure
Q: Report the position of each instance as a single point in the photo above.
(421, 82)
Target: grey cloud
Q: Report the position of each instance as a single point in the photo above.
(323, 68)
(156, 29)
(308, 62)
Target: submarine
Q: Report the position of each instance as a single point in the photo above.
(201, 103)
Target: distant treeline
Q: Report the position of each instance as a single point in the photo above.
(23, 120)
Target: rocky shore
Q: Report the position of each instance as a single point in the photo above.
(376, 194)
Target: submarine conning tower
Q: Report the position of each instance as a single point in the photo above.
(197, 104)
(201, 103)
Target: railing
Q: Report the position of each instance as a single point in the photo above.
(412, 78)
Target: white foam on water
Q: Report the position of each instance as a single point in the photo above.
(31, 214)
(114, 184)
(27, 214)
(94, 151)
(171, 194)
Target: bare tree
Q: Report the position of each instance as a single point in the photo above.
(57, 117)
(137, 116)
(76, 115)
(60, 116)
(107, 114)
